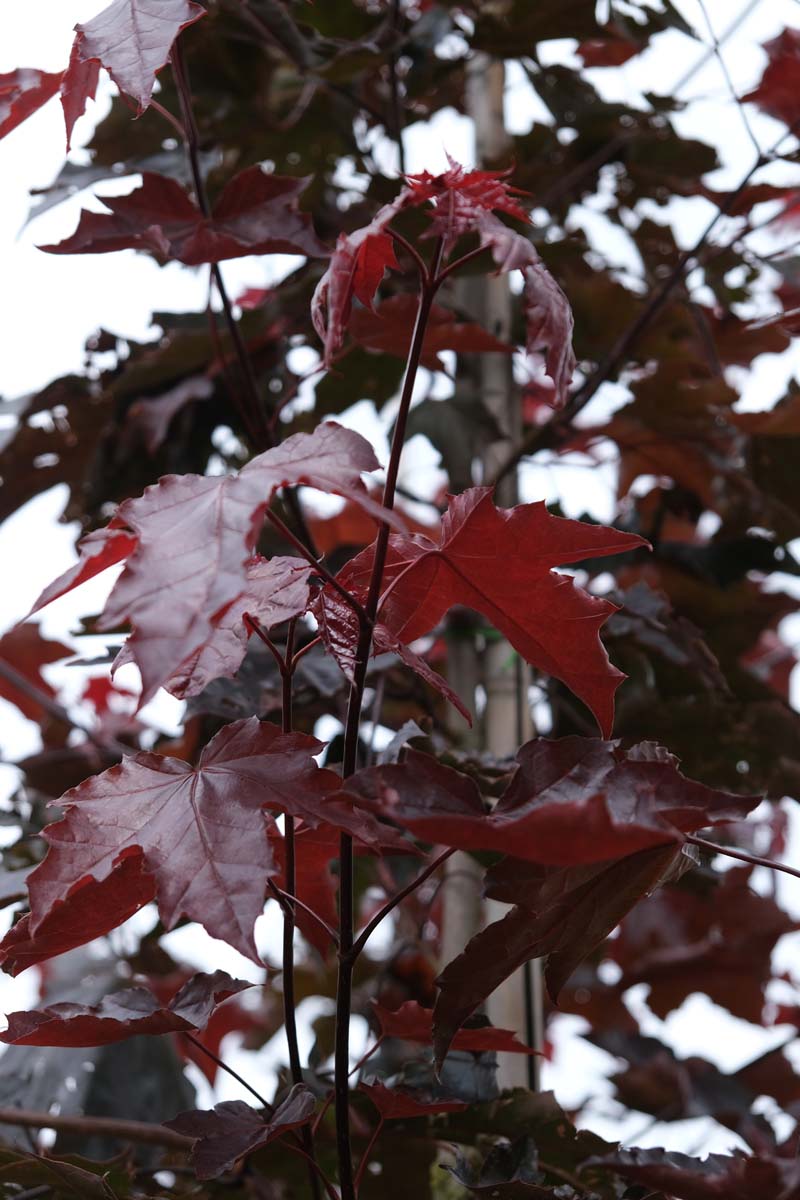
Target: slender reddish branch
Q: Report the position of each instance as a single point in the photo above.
(126, 1131)
(223, 1066)
(254, 626)
(754, 859)
(351, 739)
(376, 1133)
(368, 930)
(283, 898)
(318, 566)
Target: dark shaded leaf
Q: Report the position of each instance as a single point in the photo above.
(257, 213)
(563, 916)
(394, 1104)
(122, 1015)
(233, 1129)
(202, 832)
(24, 649)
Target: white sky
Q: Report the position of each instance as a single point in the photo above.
(50, 304)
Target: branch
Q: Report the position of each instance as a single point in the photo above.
(368, 930)
(742, 855)
(107, 746)
(126, 1131)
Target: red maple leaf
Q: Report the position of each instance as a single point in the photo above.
(132, 40)
(276, 590)
(189, 539)
(777, 91)
(570, 802)
(89, 910)
(122, 1015)
(498, 562)
(233, 1129)
(459, 197)
(201, 831)
(257, 213)
(22, 93)
(395, 1104)
(413, 1023)
(463, 202)
(25, 650)
(559, 914)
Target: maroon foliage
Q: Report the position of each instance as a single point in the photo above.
(569, 802)
(201, 831)
(256, 214)
(233, 1129)
(395, 1104)
(22, 92)
(122, 1015)
(26, 651)
(479, 563)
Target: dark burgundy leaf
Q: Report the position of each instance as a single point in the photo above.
(132, 40)
(461, 197)
(234, 1129)
(149, 420)
(90, 910)
(24, 649)
(559, 914)
(718, 940)
(257, 213)
(99, 550)
(548, 316)
(394, 1104)
(776, 93)
(413, 1023)
(571, 801)
(23, 92)
(276, 590)
(717, 1177)
(122, 1015)
(479, 562)
(356, 268)
(201, 830)
(78, 86)
(192, 537)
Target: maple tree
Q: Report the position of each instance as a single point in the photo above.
(650, 651)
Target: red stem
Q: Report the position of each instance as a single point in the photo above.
(742, 855)
(365, 1156)
(351, 740)
(368, 930)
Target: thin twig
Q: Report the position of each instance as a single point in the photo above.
(717, 51)
(223, 1066)
(319, 567)
(284, 898)
(368, 930)
(126, 1131)
(367, 1151)
(742, 855)
(109, 746)
(251, 624)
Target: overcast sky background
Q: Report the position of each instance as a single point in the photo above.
(50, 304)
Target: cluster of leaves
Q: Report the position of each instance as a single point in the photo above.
(235, 596)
